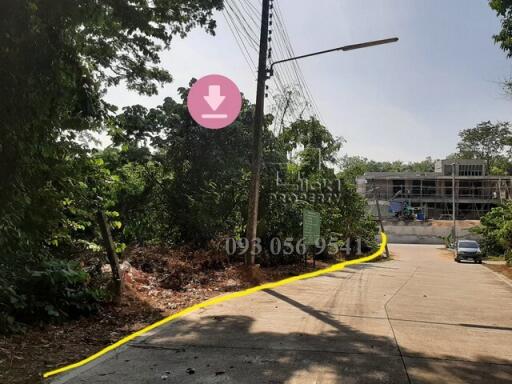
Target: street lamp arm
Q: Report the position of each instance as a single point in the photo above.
(344, 48)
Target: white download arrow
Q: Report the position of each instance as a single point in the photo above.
(214, 98)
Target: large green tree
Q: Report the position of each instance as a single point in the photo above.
(203, 174)
(57, 57)
(308, 180)
(489, 141)
(197, 179)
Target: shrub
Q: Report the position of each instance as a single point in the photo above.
(496, 230)
(10, 303)
(508, 257)
(54, 291)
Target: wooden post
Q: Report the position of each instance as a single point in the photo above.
(111, 255)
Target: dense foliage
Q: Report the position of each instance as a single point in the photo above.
(166, 180)
(193, 183)
(57, 58)
(54, 291)
(163, 180)
(496, 231)
(354, 166)
(503, 9)
(490, 142)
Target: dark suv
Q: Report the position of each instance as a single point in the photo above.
(468, 249)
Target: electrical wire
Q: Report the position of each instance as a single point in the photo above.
(291, 96)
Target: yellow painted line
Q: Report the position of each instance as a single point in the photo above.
(220, 299)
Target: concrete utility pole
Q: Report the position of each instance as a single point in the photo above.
(254, 192)
(454, 233)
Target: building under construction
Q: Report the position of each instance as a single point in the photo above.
(431, 192)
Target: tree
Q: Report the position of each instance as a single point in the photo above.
(308, 180)
(496, 230)
(57, 57)
(354, 166)
(488, 141)
(503, 9)
(315, 143)
(202, 185)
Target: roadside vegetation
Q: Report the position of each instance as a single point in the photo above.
(171, 191)
(496, 231)
(163, 181)
(489, 141)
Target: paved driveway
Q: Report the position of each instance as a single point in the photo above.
(421, 318)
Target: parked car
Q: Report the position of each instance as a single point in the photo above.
(468, 249)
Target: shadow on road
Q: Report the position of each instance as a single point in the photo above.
(232, 348)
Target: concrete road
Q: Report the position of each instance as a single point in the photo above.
(420, 318)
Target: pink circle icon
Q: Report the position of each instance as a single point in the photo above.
(214, 101)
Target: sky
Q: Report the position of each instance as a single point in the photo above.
(403, 101)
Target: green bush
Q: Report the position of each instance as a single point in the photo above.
(448, 241)
(52, 292)
(10, 303)
(496, 231)
(508, 257)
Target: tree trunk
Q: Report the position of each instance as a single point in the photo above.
(117, 282)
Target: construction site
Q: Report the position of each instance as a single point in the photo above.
(463, 186)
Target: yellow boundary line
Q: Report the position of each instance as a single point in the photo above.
(220, 299)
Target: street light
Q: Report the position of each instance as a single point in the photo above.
(265, 73)
(344, 49)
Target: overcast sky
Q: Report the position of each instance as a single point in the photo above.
(402, 101)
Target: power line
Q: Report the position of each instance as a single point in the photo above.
(295, 65)
(292, 96)
(239, 41)
(244, 25)
(251, 12)
(291, 53)
(240, 18)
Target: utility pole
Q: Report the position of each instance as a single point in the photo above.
(254, 192)
(454, 233)
(263, 75)
(380, 219)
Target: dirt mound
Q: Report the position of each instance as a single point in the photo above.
(174, 268)
(463, 224)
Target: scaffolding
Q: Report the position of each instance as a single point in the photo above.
(432, 192)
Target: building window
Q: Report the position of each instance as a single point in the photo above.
(429, 188)
(448, 187)
(470, 189)
(416, 187)
(471, 170)
(398, 185)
